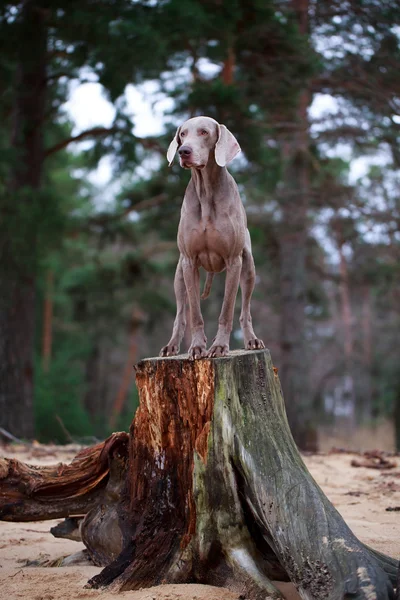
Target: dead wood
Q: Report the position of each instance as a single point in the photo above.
(375, 459)
(209, 487)
(31, 493)
(69, 529)
(217, 492)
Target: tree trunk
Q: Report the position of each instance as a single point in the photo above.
(93, 378)
(294, 200)
(367, 409)
(47, 337)
(216, 492)
(126, 380)
(397, 415)
(348, 393)
(17, 275)
(16, 357)
(228, 67)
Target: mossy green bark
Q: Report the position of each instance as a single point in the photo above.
(249, 512)
(266, 484)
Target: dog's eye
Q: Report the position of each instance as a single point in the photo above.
(183, 134)
(203, 132)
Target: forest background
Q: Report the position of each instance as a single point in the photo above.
(86, 270)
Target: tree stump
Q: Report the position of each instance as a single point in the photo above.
(216, 492)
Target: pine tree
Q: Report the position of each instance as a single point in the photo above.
(45, 44)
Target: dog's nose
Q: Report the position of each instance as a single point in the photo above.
(185, 151)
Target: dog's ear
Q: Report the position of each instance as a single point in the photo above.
(226, 147)
(173, 147)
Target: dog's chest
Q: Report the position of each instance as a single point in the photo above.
(205, 235)
(209, 241)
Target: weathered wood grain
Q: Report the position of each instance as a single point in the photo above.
(209, 487)
(31, 493)
(218, 492)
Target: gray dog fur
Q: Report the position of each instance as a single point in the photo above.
(212, 234)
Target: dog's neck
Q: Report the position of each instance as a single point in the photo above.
(208, 180)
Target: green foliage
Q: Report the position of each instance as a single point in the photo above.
(113, 269)
(59, 413)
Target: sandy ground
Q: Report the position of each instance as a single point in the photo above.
(361, 495)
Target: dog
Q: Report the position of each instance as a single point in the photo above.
(212, 234)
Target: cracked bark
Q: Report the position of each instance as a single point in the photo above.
(17, 266)
(209, 487)
(217, 492)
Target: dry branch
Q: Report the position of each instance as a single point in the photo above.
(31, 493)
(95, 132)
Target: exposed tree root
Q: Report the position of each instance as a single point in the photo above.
(30, 493)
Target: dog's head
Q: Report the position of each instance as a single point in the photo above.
(197, 138)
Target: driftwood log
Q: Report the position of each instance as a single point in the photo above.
(214, 490)
(31, 493)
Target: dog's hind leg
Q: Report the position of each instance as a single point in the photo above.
(247, 282)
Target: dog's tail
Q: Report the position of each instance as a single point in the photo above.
(207, 286)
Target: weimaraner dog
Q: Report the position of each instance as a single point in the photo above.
(212, 234)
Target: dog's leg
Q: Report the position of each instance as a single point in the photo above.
(247, 281)
(172, 348)
(220, 346)
(192, 281)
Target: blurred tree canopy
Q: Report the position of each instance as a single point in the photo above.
(86, 285)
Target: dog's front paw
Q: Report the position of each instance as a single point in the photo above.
(169, 350)
(195, 352)
(254, 344)
(218, 350)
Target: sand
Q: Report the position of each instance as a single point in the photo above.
(361, 496)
